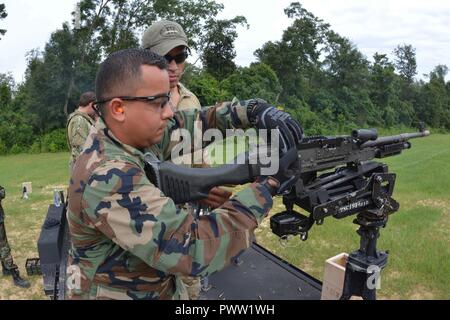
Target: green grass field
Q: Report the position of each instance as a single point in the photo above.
(417, 236)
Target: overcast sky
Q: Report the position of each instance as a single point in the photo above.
(373, 25)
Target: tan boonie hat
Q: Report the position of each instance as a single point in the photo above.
(163, 36)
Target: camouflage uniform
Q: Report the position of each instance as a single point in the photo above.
(188, 100)
(5, 251)
(78, 126)
(129, 241)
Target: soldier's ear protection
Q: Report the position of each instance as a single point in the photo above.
(118, 108)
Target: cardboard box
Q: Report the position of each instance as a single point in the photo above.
(333, 279)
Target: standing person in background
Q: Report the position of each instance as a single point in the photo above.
(8, 266)
(78, 125)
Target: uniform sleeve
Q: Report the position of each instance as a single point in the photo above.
(122, 203)
(223, 116)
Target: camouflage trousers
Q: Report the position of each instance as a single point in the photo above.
(5, 251)
(192, 286)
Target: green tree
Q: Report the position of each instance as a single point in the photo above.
(344, 63)
(257, 80)
(405, 61)
(435, 106)
(16, 133)
(206, 87)
(6, 88)
(382, 78)
(118, 24)
(3, 15)
(218, 43)
(384, 92)
(295, 58)
(66, 67)
(347, 79)
(50, 75)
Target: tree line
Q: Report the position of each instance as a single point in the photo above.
(317, 75)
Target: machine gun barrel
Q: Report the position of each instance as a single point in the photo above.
(403, 137)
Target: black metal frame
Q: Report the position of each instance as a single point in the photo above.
(364, 189)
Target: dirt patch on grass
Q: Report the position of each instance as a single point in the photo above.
(39, 205)
(49, 189)
(436, 203)
(441, 226)
(420, 293)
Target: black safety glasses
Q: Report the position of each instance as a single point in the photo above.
(160, 99)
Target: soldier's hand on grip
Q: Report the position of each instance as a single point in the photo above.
(287, 175)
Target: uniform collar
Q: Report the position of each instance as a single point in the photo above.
(184, 92)
(101, 127)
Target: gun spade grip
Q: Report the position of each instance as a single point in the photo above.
(190, 184)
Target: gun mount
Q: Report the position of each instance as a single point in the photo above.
(356, 186)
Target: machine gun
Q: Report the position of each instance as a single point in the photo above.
(338, 178)
(356, 184)
(349, 155)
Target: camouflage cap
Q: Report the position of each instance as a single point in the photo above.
(163, 36)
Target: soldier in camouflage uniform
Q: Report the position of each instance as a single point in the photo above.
(168, 39)
(129, 241)
(78, 125)
(8, 266)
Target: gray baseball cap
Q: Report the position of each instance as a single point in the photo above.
(163, 36)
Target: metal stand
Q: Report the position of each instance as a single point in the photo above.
(364, 265)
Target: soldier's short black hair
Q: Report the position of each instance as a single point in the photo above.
(86, 98)
(121, 70)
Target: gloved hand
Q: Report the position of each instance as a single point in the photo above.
(264, 116)
(287, 175)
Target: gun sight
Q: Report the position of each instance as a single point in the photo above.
(363, 135)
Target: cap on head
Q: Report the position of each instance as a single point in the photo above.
(163, 36)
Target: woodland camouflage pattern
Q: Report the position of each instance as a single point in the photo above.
(78, 126)
(5, 251)
(188, 100)
(129, 240)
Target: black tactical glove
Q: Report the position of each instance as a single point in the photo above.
(287, 175)
(264, 116)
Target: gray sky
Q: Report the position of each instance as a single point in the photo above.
(373, 25)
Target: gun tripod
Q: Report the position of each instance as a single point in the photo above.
(363, 267)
